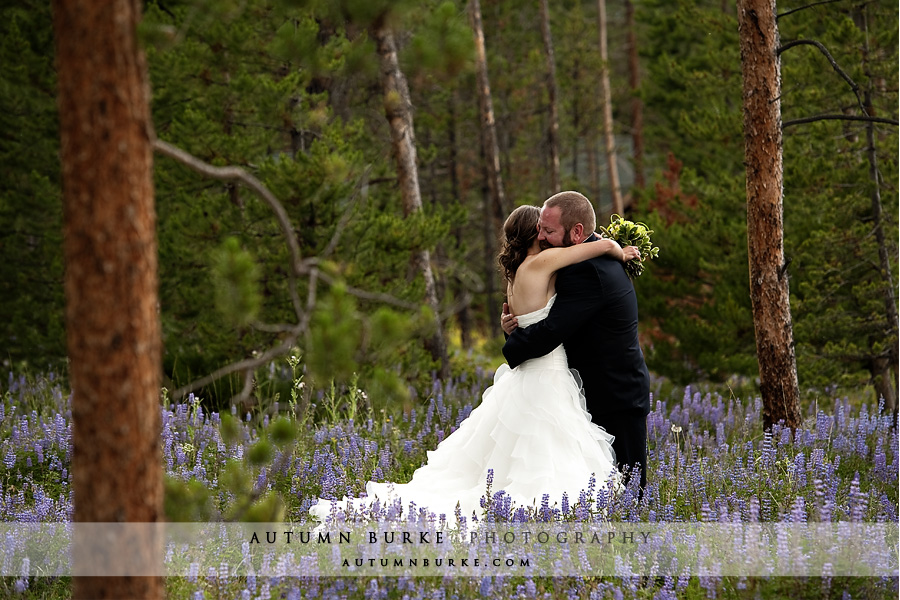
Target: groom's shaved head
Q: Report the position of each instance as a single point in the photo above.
(574, 208)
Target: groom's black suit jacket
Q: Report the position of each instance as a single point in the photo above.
(595, 317)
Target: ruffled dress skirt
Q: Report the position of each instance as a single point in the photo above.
(531, 430)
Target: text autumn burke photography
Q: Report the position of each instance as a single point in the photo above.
(438, 537)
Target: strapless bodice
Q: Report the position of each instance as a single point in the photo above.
(557, 358)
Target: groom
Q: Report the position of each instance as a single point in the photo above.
(595, 316)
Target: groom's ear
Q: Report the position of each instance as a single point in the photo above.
(577, 233)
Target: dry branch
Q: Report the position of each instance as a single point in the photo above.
(239, 174)
(813, 119)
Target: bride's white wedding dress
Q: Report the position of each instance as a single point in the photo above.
(531, 428)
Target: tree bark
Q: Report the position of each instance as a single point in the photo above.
(488, 126)
(606, 95)
(553, 128)
(398, 111)
(112, 319)
(769, 293)
(637, 105)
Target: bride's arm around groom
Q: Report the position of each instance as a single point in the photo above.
(595, 317)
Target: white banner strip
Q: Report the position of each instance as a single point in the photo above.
(388, 549)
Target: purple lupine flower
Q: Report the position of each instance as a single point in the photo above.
(798, 511)
(9, 459)
(798, 470)
(827, 572)
(857, 500)
(862, 445)
(486, 587)
(546, 514)
(881, 470)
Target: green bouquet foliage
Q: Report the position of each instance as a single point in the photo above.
(629, 233)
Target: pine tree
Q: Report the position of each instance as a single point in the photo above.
(112, 317)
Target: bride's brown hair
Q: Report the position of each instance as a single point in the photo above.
(519, 232)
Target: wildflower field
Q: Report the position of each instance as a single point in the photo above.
(710, 461)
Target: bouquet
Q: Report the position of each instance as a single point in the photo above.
(628, 233)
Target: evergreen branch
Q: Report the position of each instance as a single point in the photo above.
(793, 10)
(853, 85)
(237, 173)
(815, 118)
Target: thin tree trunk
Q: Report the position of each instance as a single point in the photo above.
(885, 379)
(576, 119)
(637, 105)
(606, 95)
(882, 373)
(553, 129)
(398, 111)
(490, 254)
(112, 320)
(488, 126)
(464, 314)
(765, 212)
(594, 170)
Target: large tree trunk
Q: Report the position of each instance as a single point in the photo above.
(765, 231)
(608, 134)
(637, 105)
(488, 127)
(553, 129)
(112, 323)
(398, 111)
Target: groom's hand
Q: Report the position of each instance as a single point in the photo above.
(508, 321)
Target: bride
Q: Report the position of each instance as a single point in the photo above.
(531, 429)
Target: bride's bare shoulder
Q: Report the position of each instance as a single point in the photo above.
(530, 289)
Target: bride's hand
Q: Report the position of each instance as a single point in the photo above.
(508, 321)
(631, 253)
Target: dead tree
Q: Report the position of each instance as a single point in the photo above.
(637, 105)
(553, 128)
(769, 295)
(398, 111)
(612, 163)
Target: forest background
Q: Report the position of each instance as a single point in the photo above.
(290, 91)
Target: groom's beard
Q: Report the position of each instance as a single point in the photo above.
(567, 241)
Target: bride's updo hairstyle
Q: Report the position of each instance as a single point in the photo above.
(519, 232)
